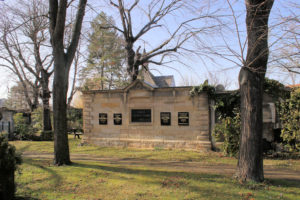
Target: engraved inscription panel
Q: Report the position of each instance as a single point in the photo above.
(165, 118)
(117, 119)
(103, 118)
(141, 115)
(183, 118)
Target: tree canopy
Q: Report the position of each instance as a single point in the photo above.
(105, 63)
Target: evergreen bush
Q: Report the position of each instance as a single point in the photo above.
(9, 160)
(228, 131)
(23, 130)
(290, 120)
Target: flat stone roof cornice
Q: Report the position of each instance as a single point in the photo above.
(123, 90)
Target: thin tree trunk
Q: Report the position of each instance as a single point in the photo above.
(111, 80)
(45, 98)
(35, 101)
(102, 76)
(73, 89)
(251, 78)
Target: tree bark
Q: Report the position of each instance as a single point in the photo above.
(251, 78)
(45, 98)
(60, 88)
(62, 64)
(102, 76)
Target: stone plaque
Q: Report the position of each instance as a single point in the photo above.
(165, 118)
(117, 119)
(102, 118)
(141, 115)
(183, 118)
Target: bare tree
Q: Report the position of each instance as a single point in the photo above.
(287, 57)
(25, 39)
(62, 62)
(15, 59)
(250, 52)
(251, 79)
(156, 12)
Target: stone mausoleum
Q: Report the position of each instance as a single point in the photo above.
(151, 112)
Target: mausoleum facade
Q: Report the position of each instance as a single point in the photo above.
(149, 113)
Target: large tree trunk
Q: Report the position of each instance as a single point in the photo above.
(62, 63)
(251, 78)
(60, 88)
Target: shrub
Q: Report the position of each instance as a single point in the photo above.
(75, 120)
(204, 87)
(9, 160)
(23, 129)
(228, 131)
(4, 134)
(290, 120)
(37, 119)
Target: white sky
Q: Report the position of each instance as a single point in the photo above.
(199, 68)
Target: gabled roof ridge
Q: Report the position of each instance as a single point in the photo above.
(142, 82)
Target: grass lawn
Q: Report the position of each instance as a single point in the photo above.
(39, 179)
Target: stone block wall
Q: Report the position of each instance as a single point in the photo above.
(152, 134)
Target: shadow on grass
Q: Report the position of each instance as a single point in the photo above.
(170, 180)
(44, 182)
(44, 165)
(189, 175)
(154, 173)
(25, 198)
(22, 149)
(284, 182)
(200, 184)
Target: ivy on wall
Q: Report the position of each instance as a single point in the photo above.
(227, 107)
(290, 120)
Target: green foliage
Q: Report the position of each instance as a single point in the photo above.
(227, 110)
(227, 107)
(9, 158)
(106, 57)
(4, 134)
(37, 119)
(290, 119)
(228, 131)
(227, 104)
(23, 129)
(75, 120)
(204, 87)
(275, 89)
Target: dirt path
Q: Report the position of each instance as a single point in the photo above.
(184, 166)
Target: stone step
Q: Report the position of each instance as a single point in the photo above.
(203, 137)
